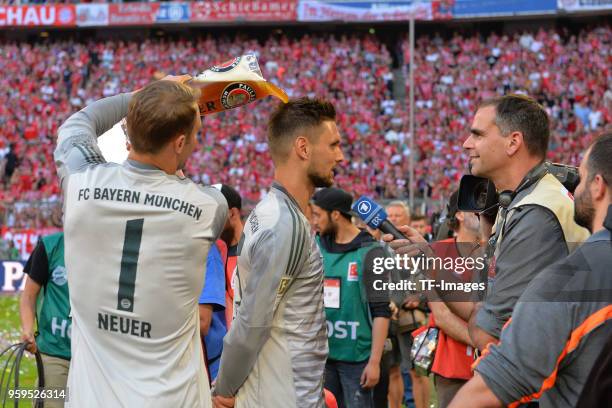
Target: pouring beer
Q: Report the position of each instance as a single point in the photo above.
(234, 83)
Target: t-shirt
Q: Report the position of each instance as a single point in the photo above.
(213, 294)
(453, 359)
(136, 239)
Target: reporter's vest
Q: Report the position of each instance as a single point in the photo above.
(349, 327)
(53, 303)
(551, 194)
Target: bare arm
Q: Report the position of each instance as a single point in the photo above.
(371, 373)
(27, 313)
(475, 394)
(462, 309)
(206, 311)
(450, 323)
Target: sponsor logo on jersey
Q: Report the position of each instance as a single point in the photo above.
(226, 66)
(237, 94)
(284, 284)
(125, 303)
(352, 274)
(58, 276)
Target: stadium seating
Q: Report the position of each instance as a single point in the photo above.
(43, 83)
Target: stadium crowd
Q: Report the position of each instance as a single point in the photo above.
(43, 83)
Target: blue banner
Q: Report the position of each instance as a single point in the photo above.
(584, 5)
(484, 8)
(172, 13)
(12, 278)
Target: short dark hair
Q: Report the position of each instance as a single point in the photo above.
(159, 112)
(232, 196)
(524, 114)
(297, 115)
(599, 158)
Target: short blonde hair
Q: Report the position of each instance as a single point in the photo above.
(159, 112)
(399, 203)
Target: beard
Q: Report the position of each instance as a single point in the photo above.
(319, 180)
(584, 213)
(330, 230)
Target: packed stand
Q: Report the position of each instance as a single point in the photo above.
(568, 74)
(452, 76)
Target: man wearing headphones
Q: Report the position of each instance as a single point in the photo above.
(549, 358)
(507, 144)
(535, 226)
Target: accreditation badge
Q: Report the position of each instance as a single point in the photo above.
(331, 293)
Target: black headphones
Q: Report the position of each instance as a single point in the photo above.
(535, 175)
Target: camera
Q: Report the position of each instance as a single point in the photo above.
(477, 194)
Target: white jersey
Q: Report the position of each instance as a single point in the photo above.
(275, 351)
(136, 243)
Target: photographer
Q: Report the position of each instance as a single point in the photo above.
(507, 144)
(549, 359)
(534, 225)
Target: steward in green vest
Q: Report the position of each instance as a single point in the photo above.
(356, 328)
(45, 299)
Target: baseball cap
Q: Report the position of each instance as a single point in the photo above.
(231, 195)
(331, 199)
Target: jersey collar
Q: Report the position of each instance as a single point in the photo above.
(283, 190)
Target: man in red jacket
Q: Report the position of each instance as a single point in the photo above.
(455, 352)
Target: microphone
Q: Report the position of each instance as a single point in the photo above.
(375, 216)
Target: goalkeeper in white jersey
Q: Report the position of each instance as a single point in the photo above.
(136, 237)
(274, 354)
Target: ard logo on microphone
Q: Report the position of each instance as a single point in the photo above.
(364, 207)
(370, 212)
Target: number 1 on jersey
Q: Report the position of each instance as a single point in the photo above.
(129, 263)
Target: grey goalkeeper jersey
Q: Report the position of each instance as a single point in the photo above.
(274, 354)
(136, 242)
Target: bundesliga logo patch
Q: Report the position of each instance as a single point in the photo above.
(226, 66)
(237, 94)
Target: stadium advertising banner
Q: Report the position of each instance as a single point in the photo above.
(25, 239)
(132, 13)
(12, 277)
(89, 15)
(484, 8)
(172, 12)
(247, 10)
(311, 10)
(584, 5)
(38, 16)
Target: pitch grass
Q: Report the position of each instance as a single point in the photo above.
(10, 333)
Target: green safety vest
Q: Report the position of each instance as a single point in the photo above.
(349, 323)
(53, 303)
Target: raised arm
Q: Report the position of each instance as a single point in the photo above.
(77, 145)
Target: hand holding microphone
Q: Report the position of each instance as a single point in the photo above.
(403, 240)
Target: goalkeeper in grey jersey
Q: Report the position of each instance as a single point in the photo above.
(136, 236)
(274, 354)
